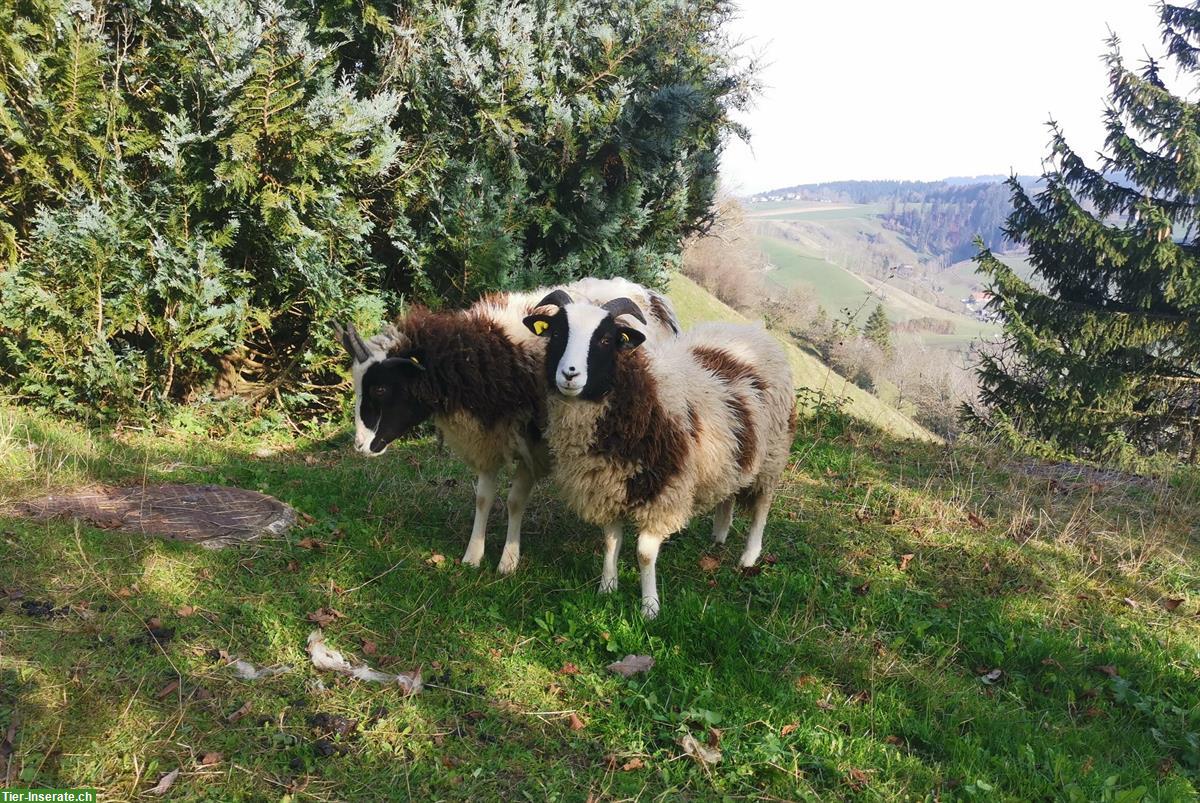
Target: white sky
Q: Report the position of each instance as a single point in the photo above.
(925, 89)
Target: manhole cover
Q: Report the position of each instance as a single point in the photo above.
(213, 516)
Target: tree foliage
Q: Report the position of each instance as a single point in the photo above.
(878, 329)
(191, 189)
(1105, 362)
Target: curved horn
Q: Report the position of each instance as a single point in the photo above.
(556, 298)
(623, 306)
(352, 341)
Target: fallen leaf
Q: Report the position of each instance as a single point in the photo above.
(576, 722)
(825, 705)
(292, 566)
(1108, 669)
(306, 518)
(1051, 662)
(202, 693)
(185, 611)
(992, 676)
(633, 764)
(208, 759)
(704, 755)
(436, 559)
(238, 714)
(164, 783)
(495, 653)
(709, 564)
(369, 647)
(893, 740)
(630, 665)
(906, 559)
(1165, 766)
(790, 728)
(1171, 603)
(154, 623)
(309, 543)
(323, 617)
(858, 779)
(893, 516)
(569, 669)
(165, 690)
(976, 522)
(125, 593)
(714, 737)
(770, 559)
(554, 690)
(1132, 603)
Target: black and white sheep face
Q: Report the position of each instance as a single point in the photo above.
(384, 409)
(585, 342)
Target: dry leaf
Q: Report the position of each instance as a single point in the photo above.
(714, 737)
(164, 783)
(1051, 662)
(893, 516)
(976, 522)
(992, 676)
(576, 722)
(208, 759)
(248, 671)
(632, 764)
(790, 728)
(1132, 603)
(1108, 669)
(154, 623)
(1171, 603)
(630, 665)
(825, 705)
(569, 669)
(306, 518)
(709, 564)
(292, 566)
(436, 559)
(703, 754)
(894, 740)
(309, 543)
(166, 690)
(369, 647)
(906, 559)
(858, 779)
(770, 559)
(323, 617)
(125, 593)
(238, 714)
(185, 611)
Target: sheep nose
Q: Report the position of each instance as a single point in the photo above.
(569, 372)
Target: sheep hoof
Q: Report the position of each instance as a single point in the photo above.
(508, 562)
(472, 558)
(650, 608)
(608, 585)
(747, 560)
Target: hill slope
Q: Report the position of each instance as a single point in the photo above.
(695, 304)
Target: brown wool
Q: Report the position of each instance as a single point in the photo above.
(636, 430)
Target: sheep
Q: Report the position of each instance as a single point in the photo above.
(654, 435)
(476, 373)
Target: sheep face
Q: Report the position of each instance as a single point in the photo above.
(585, 342)
(385, 407)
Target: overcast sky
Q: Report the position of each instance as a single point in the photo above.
(925, 89)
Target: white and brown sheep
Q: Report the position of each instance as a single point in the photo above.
(477, 374)
(655, 435)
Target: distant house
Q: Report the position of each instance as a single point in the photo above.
(980, 297)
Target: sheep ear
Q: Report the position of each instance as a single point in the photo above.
(538, 324)
(630, 338)
(407, 363)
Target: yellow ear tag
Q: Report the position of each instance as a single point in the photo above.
(539, 327)
(624, 337)
(414, 360)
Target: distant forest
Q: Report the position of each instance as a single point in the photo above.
(941, 218)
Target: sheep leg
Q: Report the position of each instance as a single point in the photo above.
(485, 495)
(762, 505)
(612, 547)
(518, 495)
(647, 551)
(722, 520)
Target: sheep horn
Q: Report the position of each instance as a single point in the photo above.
(623, 306)
(556, 298)
(352, 341)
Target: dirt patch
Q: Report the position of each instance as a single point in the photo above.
(213, 516)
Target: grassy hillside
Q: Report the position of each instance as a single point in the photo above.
(930, 624)
(695, 304)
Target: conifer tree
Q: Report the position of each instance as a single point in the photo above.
(879, 330)
(1101, 353)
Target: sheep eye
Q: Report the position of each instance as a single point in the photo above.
(379, 391)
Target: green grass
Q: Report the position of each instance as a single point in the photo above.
(694, 304)
(841, 672)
